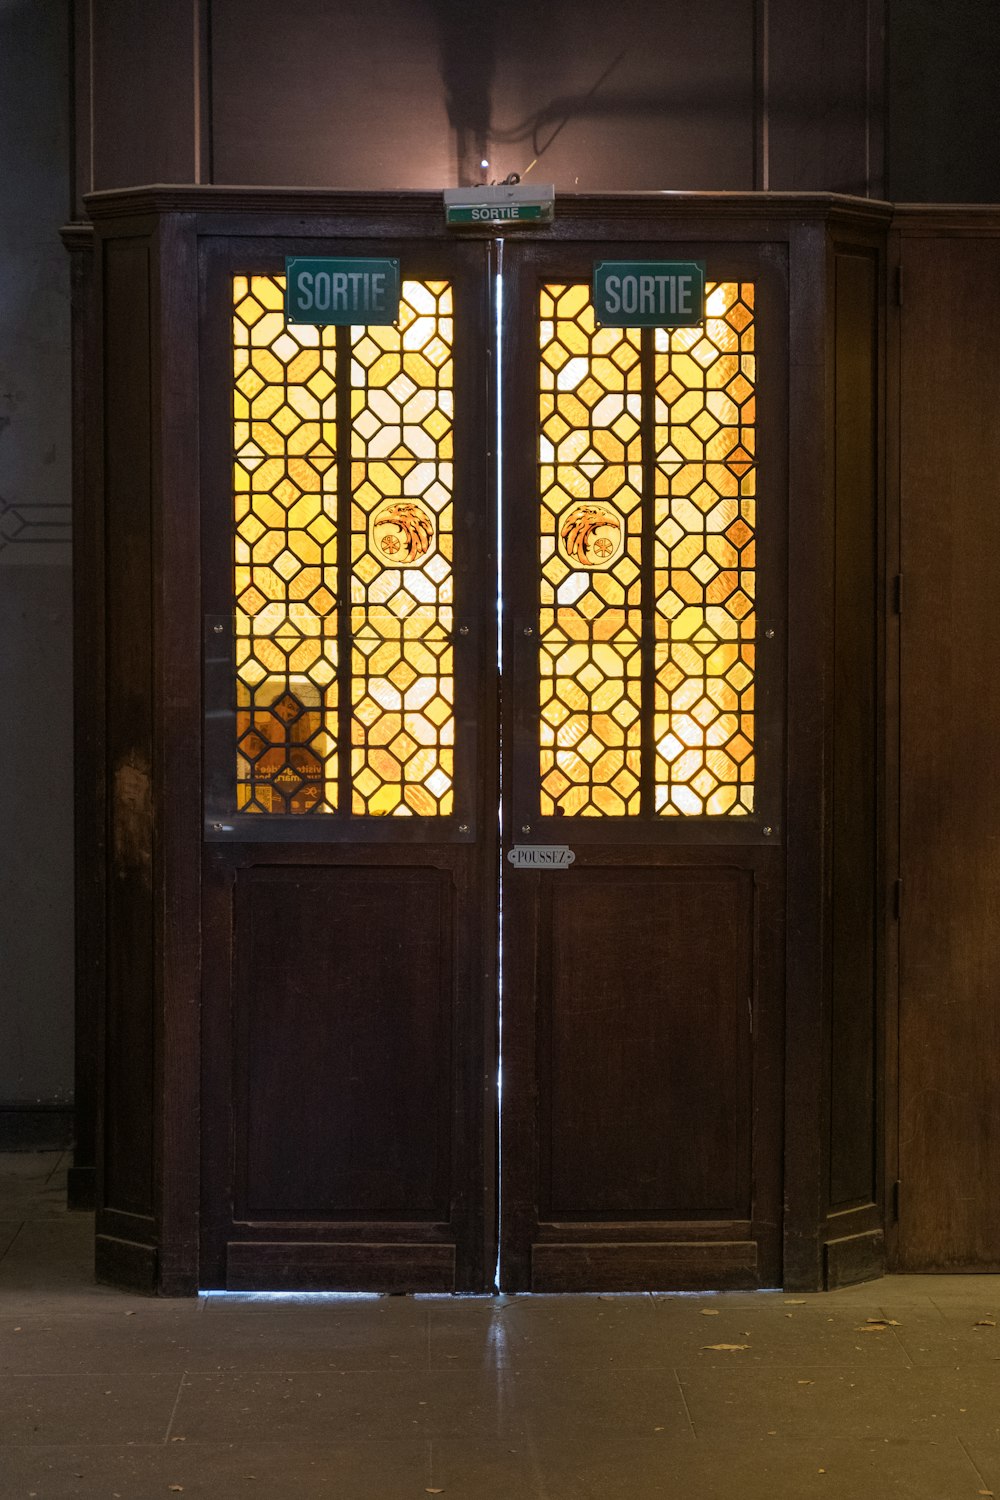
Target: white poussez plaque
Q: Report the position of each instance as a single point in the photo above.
(541, 856)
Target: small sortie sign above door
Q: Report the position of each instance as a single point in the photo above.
(649, 293)
(322, 290)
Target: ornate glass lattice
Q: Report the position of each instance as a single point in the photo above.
(301, 662)
(402, 405)
(688, 496)
(704, 558)
(590, 626)
(285, 490)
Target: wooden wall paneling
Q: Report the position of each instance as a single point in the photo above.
(824, 96)
(143, 91)
(88, 715)
(949, 1017)
(178, 699)
(891, 760)
(809, 645)
(126, 1175)
(854, 769)
(940, 110)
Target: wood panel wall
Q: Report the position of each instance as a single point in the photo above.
(949, 1020)
(720, 96)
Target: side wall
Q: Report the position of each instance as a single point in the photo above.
(36, 801)
(949, 1022)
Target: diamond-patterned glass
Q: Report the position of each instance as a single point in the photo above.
(402, 694)
(704, 558)
(285, 493)
(690, 498)
(590, 481)
(291, 649)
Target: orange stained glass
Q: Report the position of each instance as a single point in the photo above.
(691, 501)
(590, 480)
(704, 558)
(285, 555)
(402, 689)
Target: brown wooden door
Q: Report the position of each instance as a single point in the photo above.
(642, 984)
(356, 756)
(351, 787)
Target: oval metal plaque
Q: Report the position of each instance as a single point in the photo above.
(541, 856)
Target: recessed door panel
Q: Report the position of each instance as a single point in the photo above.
(645, 1045)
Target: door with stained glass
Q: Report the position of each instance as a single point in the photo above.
(643, 513)
(493, 502)
(350, 915)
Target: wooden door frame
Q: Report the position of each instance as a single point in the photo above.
(160, 1249)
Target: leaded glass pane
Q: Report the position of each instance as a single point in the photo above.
(285, 496)
(691, 499)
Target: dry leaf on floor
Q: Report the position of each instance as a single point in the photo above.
(884, 1322)
(433, 1492)
(805, 1382)
(728, 1347)
(795, 1302)
(985, 1323)
(710, 1312)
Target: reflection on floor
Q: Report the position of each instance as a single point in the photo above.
(892, 1389)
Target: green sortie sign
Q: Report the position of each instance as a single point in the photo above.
(649, 293)
(322, 290)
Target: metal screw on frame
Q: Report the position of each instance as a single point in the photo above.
(525, 827)
(463, 827)
(217, 629)
(463, 630)
(528, 630)
(767, 831)
(769, 634)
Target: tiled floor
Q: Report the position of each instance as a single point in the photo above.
(546, 1398)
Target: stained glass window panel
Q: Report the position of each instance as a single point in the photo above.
(402, 694)
(590, 481)
(704, 558)
(285, 499)
(690, 499)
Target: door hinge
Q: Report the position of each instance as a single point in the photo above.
(897, 594)
(899, 286)
(895, 1201)
(897, 899)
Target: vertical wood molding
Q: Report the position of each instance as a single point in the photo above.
(761, 100)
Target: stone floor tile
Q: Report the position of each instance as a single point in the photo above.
(162, 1336)
(30, 1165)
(894, 1405)
(484, 1469)
(102, 1408)
(953, 1342)
(50, 1253)
(655, 1468)
(573, 1399)
(221, 1471)
(328, 1406)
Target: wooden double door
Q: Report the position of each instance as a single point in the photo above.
(493, 861)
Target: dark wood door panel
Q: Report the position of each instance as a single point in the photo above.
(342, 1083)
(644, 1054)
(349, 968)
